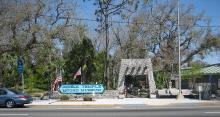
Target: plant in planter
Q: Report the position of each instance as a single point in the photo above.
(87, 98)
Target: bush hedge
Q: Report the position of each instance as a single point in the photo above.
(64, 97)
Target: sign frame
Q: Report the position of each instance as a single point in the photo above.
(81, 88)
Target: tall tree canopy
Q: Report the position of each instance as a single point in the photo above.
(49, 35)
(156, 28)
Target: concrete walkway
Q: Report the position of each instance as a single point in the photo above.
(145, 101)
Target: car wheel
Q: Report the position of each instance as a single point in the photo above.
(10, 103)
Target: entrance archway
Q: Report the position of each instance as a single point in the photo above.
(137, 67)
(136, 86)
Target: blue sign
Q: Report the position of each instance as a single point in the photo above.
(20, 69)
(20, 66)
(81, 88)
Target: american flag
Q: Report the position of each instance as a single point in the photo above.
(56, 82)
(78, 73)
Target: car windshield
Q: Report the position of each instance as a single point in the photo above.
(14, 91)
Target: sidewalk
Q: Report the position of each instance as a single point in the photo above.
(146, 101)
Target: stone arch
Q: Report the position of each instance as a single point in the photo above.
(137, 67)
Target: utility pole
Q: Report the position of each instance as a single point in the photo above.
(106, 50)
(179, 96)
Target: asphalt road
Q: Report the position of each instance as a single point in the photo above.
(112, 111)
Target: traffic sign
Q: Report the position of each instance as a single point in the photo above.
(20, 69)
(20, 66)
(81, 88)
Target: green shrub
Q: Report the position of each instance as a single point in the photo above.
(64, 97)
(73, 96)
(36, 95)
(34, 90)
(161, 79)
(87, 98)
(144, 93)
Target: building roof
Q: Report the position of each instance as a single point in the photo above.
(210, 70)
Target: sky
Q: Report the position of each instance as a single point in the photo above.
(210, 7)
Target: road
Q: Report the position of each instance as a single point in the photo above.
(112, 111)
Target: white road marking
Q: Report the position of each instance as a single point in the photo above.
(212, 112)
(173, 107)
(14, 114)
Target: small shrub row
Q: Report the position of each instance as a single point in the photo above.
(64, 97)
(36, 95)
(85, 97)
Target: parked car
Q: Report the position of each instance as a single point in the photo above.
(10, 98)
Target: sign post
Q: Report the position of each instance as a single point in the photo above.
(20, 71)
(22, 82)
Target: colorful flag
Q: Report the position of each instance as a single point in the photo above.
(56, 82)
(78, 73)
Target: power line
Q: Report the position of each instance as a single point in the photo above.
(212, 26)
(125, 22)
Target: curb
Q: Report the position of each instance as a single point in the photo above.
(74, 104)
(94, 103)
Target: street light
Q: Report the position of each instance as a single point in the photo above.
(179, 96)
